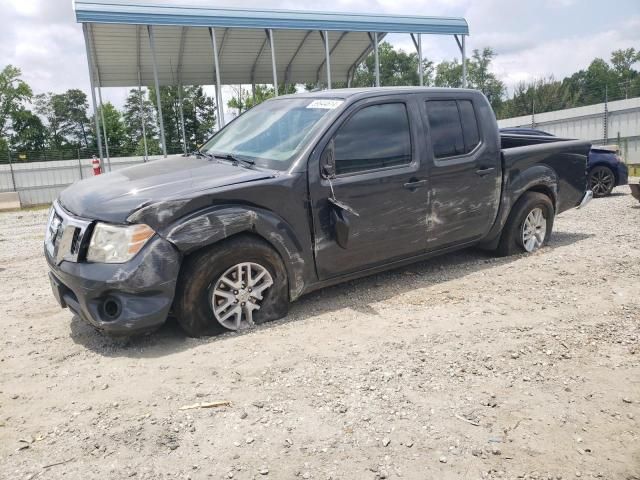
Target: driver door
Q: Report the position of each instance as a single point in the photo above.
(381, 183)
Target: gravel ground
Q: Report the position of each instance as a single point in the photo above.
(466, 366)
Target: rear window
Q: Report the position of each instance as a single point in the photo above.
(454, 128)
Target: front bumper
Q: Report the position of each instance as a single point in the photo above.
(120, 299)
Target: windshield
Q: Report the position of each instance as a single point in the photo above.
(272, 133)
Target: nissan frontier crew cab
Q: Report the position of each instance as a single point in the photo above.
(298, 193)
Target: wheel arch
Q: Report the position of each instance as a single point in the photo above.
(538, 178)
(205, 228)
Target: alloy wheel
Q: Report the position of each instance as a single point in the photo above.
(238, 293)
(534, 230)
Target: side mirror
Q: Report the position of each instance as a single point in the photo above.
(328, 161)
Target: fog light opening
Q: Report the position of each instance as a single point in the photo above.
(111, 308)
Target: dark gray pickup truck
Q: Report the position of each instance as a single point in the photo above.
(298, 193)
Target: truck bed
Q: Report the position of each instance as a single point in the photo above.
(564, 161)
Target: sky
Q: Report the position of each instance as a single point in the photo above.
(533, 39)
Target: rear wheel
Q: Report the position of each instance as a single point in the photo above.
(601, 181)
(231, 286)
(529, 225)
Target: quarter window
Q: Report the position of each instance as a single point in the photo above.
(375, 137)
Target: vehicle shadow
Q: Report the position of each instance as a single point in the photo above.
(383, 286)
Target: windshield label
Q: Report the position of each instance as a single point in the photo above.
(325, 104)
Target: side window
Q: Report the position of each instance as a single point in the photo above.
(469, 125)
(375, 137)
(454, 128)
(446, 130)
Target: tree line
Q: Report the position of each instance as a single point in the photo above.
(60, 122)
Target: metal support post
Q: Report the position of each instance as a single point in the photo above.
(328, 58)
(152, 44)
(104, 125)
(464, 62)
(143, 119)
(181, 112)
(273, 60)
(377, 58)
(87, 44)
(216, 62)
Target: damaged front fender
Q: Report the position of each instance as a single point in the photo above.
(207, 227)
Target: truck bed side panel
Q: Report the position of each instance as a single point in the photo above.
(557, 168)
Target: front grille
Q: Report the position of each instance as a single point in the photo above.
(65, 235)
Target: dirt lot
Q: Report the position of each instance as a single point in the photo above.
(466, 366)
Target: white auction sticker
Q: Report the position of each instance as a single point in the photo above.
(325, 104)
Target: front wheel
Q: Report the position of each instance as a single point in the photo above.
(232, 285)
(529, 225)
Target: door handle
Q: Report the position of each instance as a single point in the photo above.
(415, 184)
(485, 171)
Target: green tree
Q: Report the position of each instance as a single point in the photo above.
(29, 131)
(628, 78)
(199, 115)
(479, 76)
(47, 107)
(245, 99)
(14, 93)
(67, 119)
(116, 132)
(397, 68)
(135, 113)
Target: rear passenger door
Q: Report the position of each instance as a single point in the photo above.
(465, 177)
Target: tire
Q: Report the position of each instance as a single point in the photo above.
(601, 181)
(201, 277)
(512, 240)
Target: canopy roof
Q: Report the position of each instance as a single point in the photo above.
(184, 53)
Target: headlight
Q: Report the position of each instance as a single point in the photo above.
(116, 243)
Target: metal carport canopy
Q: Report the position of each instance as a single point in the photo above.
(120, 45)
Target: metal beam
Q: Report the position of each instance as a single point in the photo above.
(104, 125)
(352, 69)
(377, 58)
(255, 63)
(328, 54)
(183, 40)
(287, 72)
(87, 45)
(418, 45)
(273, 60)
(464, 62)
(143, 119)
(223, 42)
(463, 52)
(152, 44)
(216, 62)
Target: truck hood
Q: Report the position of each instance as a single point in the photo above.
(114, 196)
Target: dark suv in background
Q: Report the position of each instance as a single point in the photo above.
(606, 168)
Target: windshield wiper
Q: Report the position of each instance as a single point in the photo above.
(198, 153)
(234, 159)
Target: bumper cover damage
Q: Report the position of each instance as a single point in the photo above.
(120, 299)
